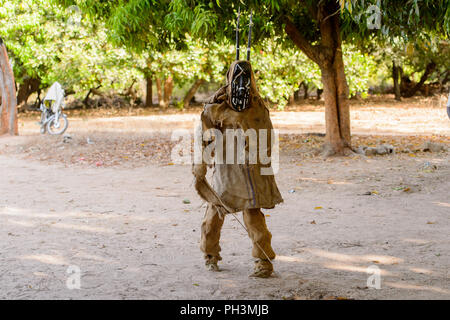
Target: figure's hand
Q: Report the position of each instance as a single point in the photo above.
(221, 98)
(199, 170)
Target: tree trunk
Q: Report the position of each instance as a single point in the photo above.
(27, 88)
(168, 88)
(8, 107)
(338, 138)
(38, 101)
(395, 77)
(130, 92)
(305, 90)
(337, 116)
(149, 92)
(93, 91)
(428, 71)
(291, 99)
(328, 55)
(297, 94)
(319, 93)
(191, 93)
(23, 92)
(160, 93)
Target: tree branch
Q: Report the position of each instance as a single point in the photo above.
(300, 41)
(428, 71)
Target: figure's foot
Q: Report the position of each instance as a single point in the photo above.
(212, 267)
(263, 269)
(211, 263)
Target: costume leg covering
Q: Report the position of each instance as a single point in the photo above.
(255, 223)
(211, 227)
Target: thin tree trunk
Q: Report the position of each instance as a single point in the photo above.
(168, 88)
(291, 99)
(296, 94)
(38, 98)
(160, 93)
(8, 108)
(395, 77)
(131, 93)
(191, 93)
(93, 91)
(428, 71)
(22, 93)
(149, 92)
(319, 93)
(27, 88)
(305, 91)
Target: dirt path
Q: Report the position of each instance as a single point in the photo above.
(112, 205)
(132, 236)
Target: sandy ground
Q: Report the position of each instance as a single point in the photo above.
(129, 231)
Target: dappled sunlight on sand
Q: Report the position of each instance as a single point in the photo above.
(421, 270)
(46, 258)
(352, 268)
(442, 204)
(408, 286)
(416, 241)
(289, 259)
(381, 259)
(37, 214)
(359, 264)
(324, 181)
(70, 226)
(27, 224)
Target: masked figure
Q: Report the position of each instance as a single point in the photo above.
(247, 184)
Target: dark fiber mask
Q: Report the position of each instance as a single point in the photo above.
(240, 86)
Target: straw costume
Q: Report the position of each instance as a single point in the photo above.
(245, 185)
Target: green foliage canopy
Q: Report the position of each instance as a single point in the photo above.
(51, 43)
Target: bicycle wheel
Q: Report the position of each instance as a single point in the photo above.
(60, 127)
